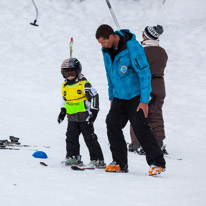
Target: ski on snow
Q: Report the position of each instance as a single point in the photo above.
(82, 168)
(171, 157)
(14, 144)
(44, 164)
(73, 167)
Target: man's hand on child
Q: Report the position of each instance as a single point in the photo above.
(62, 115)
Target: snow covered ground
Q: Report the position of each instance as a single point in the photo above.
(30, 83)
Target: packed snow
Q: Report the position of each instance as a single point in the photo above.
(30, 88)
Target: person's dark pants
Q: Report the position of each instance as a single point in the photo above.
(121, 111)
(156, 121)
(74, 130)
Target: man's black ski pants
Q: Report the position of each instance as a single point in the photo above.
(121, 111)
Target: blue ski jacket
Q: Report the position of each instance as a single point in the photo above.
(128, 74)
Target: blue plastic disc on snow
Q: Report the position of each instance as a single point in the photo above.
(40, 154)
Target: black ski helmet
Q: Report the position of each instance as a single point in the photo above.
(71, 64)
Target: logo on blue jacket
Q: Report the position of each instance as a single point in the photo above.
(123, 69)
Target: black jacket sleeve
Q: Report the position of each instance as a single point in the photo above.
(92, 96)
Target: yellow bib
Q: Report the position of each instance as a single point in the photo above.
(75, 97)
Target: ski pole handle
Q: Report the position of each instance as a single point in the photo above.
(71, 46)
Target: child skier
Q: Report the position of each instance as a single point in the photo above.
(81, 104)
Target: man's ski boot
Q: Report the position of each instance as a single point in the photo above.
(74, 160)
(155, 170)
(114, 167)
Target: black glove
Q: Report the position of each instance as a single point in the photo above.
(93, 115)
(61, 116)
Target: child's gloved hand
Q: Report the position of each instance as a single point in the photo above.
(61, 116)
(93, 115)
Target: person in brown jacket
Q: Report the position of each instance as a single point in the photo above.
(157, 59)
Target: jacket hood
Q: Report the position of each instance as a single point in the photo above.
(126, 34)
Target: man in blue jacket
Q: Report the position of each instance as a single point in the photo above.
(129, 85)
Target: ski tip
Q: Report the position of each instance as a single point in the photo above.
(81, 168)
(44, 164)
(74, 167)
(72, 39)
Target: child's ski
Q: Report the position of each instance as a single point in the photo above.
(82, 168)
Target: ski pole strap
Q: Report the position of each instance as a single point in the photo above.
(71, 45)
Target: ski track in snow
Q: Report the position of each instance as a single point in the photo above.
(30, 59)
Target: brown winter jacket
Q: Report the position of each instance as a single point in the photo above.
(157, 59)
